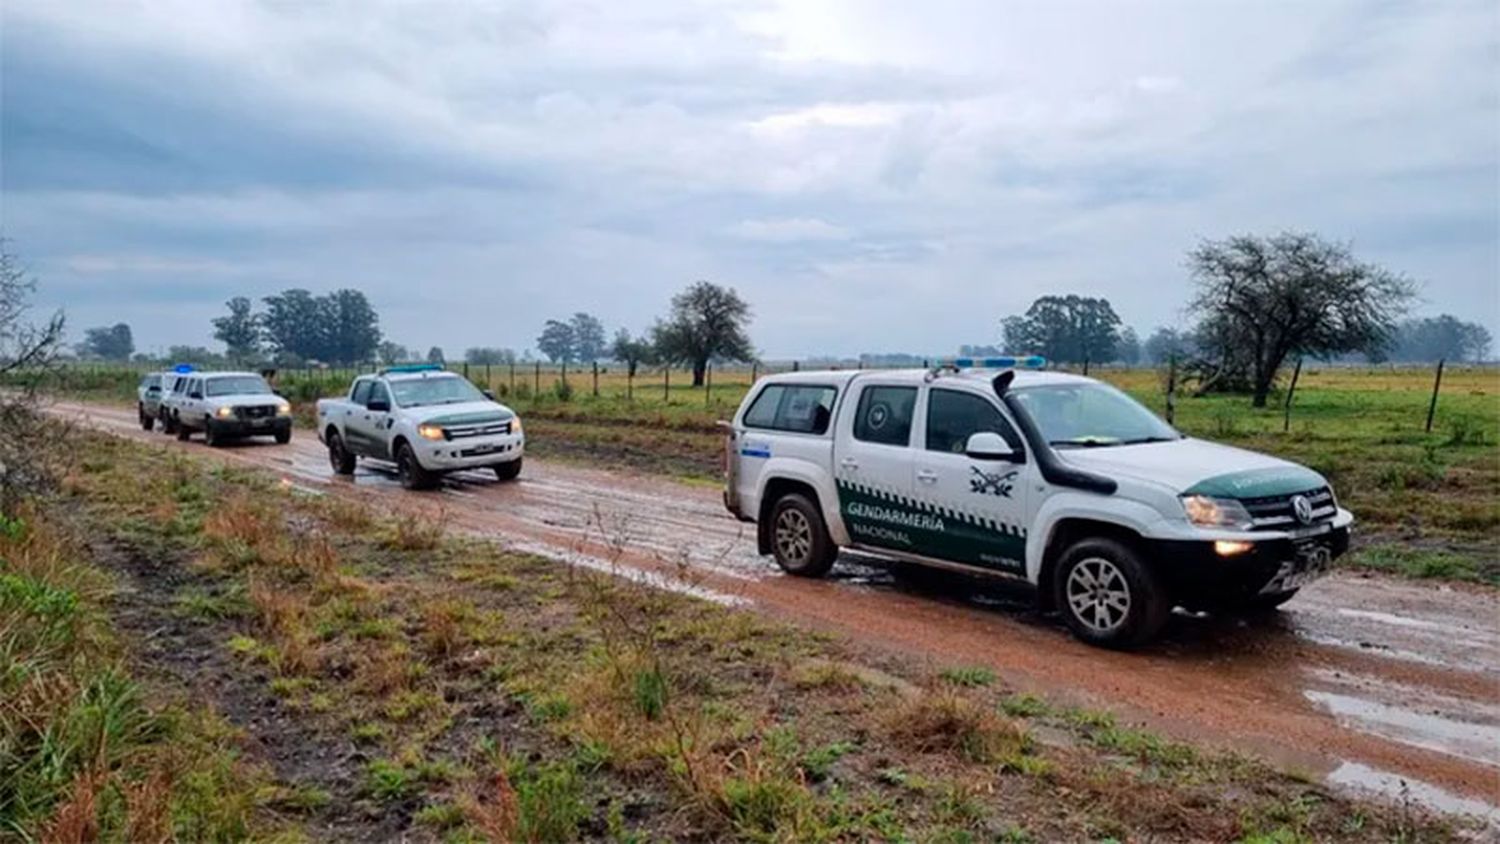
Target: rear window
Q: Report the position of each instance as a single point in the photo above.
(150, 381)
(801, 409)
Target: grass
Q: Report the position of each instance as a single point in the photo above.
(499, 696)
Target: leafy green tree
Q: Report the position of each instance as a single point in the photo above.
(589, 342)
(390, 353)
(1264, 300)
(1444, 337)
(435, 355)
(113, 342)
(294, 326)
(632, 351)
(707, 322)
(1165, 344)
(29, 348)
(352, 332)
(557, 341)
(1065, 329)
(1128, 348)
(239, 330)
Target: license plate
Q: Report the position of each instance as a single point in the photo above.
(1311, 561)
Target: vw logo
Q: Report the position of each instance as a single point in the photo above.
(1302, 508)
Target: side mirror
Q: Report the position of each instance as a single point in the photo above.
(489, 394)
(988, 445)
(195, 395)
(378, 406)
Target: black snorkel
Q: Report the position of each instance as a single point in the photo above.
(1053, 470)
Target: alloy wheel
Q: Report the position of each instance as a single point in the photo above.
(1098, 594)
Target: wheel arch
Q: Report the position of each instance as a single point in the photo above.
(1062, 534)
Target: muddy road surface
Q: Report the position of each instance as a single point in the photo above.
(1366, 682)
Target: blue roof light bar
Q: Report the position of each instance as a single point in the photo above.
(1029, 362)
(413, 367)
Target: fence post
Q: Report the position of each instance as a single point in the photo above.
(1171, 389)
(1085, 366)
(512, 378)
(488, 384)
(708, 384)
(1286, 420)
(796, 366)
(754, 371)
(596, 379)
(565, 374)
(629, 382)
(666, 383)
(536, 388)
(466, 370)
(1436, 383)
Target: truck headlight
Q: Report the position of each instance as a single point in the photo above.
(1205, 511)
(224, 412)
(430, 432)
(515, 425)
(283, 409)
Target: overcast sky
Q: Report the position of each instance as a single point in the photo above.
(872, 176)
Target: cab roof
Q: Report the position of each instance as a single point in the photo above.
(841, 377)
(213, 375)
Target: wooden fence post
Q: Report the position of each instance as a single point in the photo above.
(512, 378)
(1286, 420)
(1436, 383)
(596, 379)
(1171, 389)
(754, 370)
(666, 383)
(629, 382)
(536, 388)
(708, 384)
(565, 373)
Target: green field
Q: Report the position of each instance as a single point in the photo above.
(1428, 503)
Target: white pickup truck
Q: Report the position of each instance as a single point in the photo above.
(1055, 479)
(426, 421)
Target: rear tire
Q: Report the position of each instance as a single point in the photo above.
(339, 457)
(211, 438)
(283, 437)
(182, 431)
(147, 421)
(509, 471)
(1108, 596)
(411, 473)
(799, 539)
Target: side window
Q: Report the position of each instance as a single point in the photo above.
(379, 392)
(953, 416)
(796, 408)
(884, 415)
(361, 393)
(762, 414)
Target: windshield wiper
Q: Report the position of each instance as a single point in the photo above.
(1144, 440)
(1086, 442)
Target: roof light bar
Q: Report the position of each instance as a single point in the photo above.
(1030, 362)
(413, 367)
(184, 368)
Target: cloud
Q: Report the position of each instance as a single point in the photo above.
(532, 159)
(789, 230)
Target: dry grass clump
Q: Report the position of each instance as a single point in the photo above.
(944, 720)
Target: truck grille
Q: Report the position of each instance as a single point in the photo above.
(1276, 512)
(486, 429)
(255, 412)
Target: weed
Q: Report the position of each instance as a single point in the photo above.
(1024, 706)
(968, 676)
(440, 816)
(414, 533)
(650, 693)
(818, 762)
(387, 780)
(944, 720)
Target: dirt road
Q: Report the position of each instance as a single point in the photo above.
(1366, 682)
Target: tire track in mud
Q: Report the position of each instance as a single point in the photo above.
(1366, 682)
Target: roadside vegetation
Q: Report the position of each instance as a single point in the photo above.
(225, 657)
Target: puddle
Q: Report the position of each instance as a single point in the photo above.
(1359, 777)
(1464, 739)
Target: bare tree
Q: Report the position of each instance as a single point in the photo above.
(1265, 300)
(27, 354)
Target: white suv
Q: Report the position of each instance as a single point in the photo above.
(227, 405)
(1059, 480)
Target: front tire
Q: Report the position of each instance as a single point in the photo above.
(284, 437)
(211, 438)
(509, 471)
(182, 431)
(168, 424)
(410, 471)
(1108, 595)
(147, 421)
(799, 539)
(339, 457)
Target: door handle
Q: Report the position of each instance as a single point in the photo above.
(849, 463)
(927, 476)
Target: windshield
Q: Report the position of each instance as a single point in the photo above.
(238, 385)
(444, 389)
(1091, 415)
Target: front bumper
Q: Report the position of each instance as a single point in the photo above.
(1196, 574)
(264, 426)
(472, 453)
